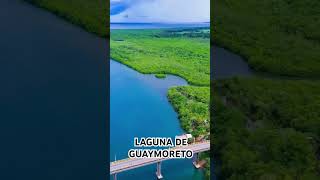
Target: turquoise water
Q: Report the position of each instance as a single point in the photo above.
(139, 108)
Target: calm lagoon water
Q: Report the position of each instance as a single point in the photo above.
(144, 110)
(226, 64)
(139, 108)
(53, 97)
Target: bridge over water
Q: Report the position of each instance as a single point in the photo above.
(132, 163)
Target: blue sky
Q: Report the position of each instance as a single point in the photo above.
(164, 11)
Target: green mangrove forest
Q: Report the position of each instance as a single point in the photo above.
(263, 127)
(279, 37)
(183, 52)
(268, 126)
(180, 52)
(164, 52)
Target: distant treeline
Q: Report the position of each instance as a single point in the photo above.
(189, 33)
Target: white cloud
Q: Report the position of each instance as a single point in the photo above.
(182, 11)
(115, 1)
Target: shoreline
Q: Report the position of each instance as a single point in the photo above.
(81, 24)
(71, 18)
(166, 74)
(111, 59)
(151, 73)
(159, 72)
(176, 109)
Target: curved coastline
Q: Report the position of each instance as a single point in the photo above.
(160, 72)
(145, 95)
(137, 70)
(167, 74)
(168, 97)
(153, 73)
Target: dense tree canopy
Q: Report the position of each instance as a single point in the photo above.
(266, 127)
(183, 52)
(250, 143)
(280, 36)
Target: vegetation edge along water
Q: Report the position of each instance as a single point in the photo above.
(89, 18)
(268, 128)
(276, 37)
(183, 52)
(90, 15)
(247, 28)
(264, 32)
(233, 34)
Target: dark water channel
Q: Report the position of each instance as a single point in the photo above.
(53, 97)
(226, 64)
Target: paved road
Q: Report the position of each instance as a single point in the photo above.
(127, 164)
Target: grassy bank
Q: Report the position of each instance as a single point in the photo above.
(279, 37)
(92, 15)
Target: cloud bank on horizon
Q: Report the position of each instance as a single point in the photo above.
(161, 11)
